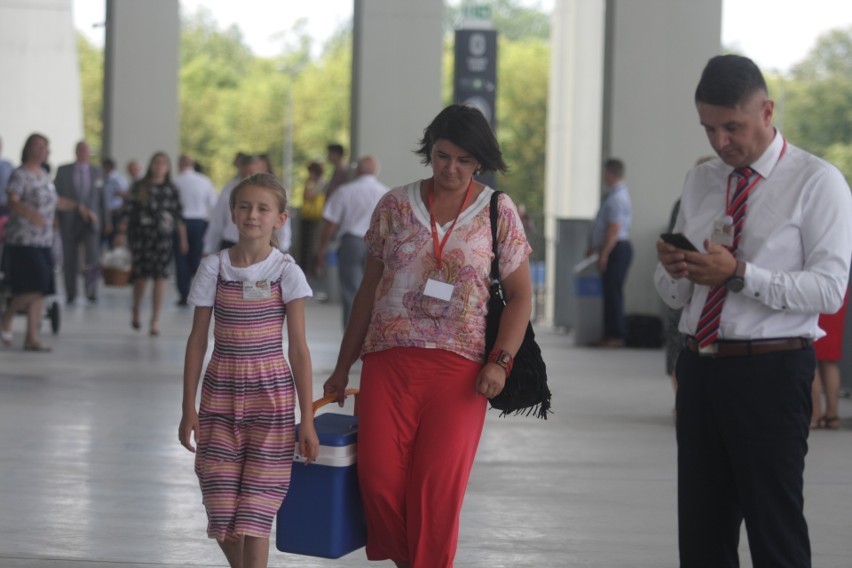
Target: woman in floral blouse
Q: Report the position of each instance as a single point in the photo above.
(418, 320)
(155, 216)
(29, 240)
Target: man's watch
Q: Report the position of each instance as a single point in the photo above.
(737, 282)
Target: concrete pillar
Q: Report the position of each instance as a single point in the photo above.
(574, 118)
(141, 80)
(623, 76)
(40, 77)
(396, 82)
(657, 51)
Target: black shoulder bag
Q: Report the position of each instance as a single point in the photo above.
(526, 390)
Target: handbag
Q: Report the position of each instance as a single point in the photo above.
(526, 391)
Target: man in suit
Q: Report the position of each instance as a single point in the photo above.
(81, 227)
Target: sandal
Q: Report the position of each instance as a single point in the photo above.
(6, 337)
(829, 422)
(38, 347)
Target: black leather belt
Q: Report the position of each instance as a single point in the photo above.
(746, 348)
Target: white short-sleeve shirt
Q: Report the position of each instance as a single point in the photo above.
(294, 285)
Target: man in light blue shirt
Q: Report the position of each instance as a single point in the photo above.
(610, 240)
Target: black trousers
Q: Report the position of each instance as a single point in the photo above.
(186, 265)
(612, 279)
(742, 435)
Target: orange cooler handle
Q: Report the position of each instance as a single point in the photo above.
(320, 402)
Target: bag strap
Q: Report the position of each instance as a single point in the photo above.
(495, 262)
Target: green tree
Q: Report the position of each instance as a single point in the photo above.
(513, 20)
(522, 125)
(815, 102)
(91, 60)
(214, 64)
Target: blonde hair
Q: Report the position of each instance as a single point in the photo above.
(264, 181)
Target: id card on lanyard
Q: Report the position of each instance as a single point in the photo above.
(436, 288)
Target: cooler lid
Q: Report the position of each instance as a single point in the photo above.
(330, 461)
(336, 429)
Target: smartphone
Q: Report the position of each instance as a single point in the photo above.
(678, 240)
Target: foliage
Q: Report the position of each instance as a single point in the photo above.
(522, 124)
(512, 20)
(221, 82)
(92, 87)
(815, 102)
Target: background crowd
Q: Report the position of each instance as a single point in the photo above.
(91, 221)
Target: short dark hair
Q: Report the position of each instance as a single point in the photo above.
(615, 167)
(728, 81)
(336, 149)
(108, 163)
(467, 128)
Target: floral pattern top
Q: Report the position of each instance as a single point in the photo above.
(400, 237)
(38, 192)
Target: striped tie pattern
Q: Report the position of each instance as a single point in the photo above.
(711, 314)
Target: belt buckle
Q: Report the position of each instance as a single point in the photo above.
(709, 350)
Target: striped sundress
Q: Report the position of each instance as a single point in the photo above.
(247, 425)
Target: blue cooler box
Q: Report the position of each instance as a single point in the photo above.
(322, 514)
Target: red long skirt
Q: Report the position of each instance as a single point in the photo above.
(420, 423)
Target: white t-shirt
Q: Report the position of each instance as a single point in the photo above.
(352, 205)
(197, 194)
(294, 285)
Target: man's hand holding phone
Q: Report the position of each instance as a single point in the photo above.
(679, 240)
(670, 253)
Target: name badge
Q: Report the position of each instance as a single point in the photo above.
(437, 289)
(723, 232)
(257, 290)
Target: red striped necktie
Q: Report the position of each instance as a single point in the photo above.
(711, 314)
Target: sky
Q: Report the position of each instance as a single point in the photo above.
(775, 34)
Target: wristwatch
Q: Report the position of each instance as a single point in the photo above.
(737, 282)
(502, 358)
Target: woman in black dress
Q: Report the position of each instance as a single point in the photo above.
(155, 214)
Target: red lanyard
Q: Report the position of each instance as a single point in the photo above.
(439, 246)
(757, 179)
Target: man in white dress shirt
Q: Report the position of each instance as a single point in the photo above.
(222, 233)
(347, 214)
(773, 225)
(198, 197)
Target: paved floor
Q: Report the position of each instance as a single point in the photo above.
(91, 473)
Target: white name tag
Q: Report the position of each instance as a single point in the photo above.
(438, 289)
(257, 290)
(723, 232)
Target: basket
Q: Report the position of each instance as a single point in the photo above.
(116, 276)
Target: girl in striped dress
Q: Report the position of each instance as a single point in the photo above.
(245, 426)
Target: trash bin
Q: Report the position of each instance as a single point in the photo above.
(587, 300)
